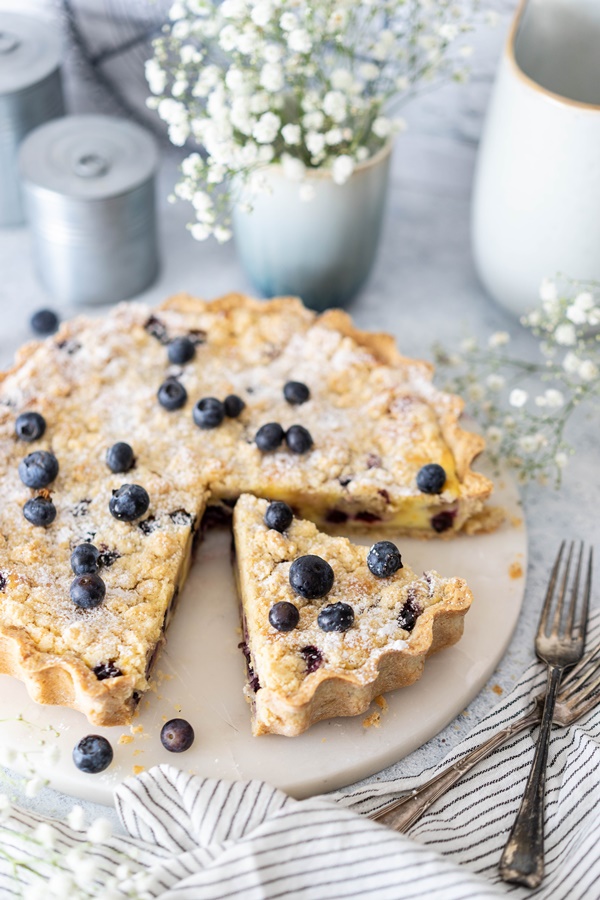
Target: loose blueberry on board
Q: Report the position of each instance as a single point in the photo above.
(208, 413)
(93, 754)
(269, 437)
(40, 511)
(336, 617)
(278, 515)
(295, 392)
(383, 559)
(177, 735)
(311, 577)
(38, 469)
(298, 439)
(30, 426)
(431, 479)
(284, 616)
(84, 559)
(129, 502)
(106, 670)
(172, 394)
(44, 322)
(233, 405)
(181, 350)
(119, 457)
(87, 591)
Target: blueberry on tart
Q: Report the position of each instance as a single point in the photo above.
(325, 642)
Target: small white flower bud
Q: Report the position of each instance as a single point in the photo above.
(518, 397)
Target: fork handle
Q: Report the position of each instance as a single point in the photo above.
(522, 860)
(403, 813)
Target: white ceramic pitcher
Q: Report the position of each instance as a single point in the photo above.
(536, 201)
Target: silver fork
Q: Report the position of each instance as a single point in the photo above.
(559, 643)
(579, 694)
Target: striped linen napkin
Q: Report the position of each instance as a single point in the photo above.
(192, 838)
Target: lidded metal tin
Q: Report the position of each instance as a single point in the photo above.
(88, 184)
(30, 94)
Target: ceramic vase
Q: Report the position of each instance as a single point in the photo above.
(536, 201)
(321, 249)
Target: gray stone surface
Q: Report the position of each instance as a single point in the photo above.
(423, 288)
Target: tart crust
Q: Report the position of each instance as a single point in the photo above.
(81, 380)
(376, 655)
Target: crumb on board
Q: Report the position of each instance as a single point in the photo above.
(515, 570)
(137, 729)
(125, 739)
(137, 751)
(516, 521)
(497, 689)
(382, 703)
(138, 769)
(372, 721)
(177, 707)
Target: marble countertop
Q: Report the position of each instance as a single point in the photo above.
(423, 288)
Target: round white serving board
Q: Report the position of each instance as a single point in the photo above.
(201, 673)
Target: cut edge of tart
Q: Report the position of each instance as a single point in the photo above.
(303, 675)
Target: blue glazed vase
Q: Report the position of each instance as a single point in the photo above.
(321, 249)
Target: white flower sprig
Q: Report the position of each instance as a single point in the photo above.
(302, 83)
(524, 407)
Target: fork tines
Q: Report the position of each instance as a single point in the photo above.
(563, 623)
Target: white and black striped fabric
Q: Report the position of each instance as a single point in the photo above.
(191, 838)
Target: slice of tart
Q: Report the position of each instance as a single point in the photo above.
(329, 625)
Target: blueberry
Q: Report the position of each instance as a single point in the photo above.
(443, 521)
(128, 503)
(40, 511)
(431, 479)
(313, 658)
(409, 613)
(44, 321)
(336, 617)
(284, 616)
(296, 393)
(278, 515)
(38, 469)
(311, 577)
(119, 457)
(233, 406)
(383, 559)
(172, 394)
(298, 439)
(180, 351)
(84, 559)
(269, 437)
(106, 670)
(30, 426)
(208, 413)
(87, 591)
(177, 735)
(93, 754)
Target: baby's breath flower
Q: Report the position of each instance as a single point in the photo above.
(518, 397)
(99, 831)
(495, 382)
(565, 335)
(342, 169)
(499, 339)
(588, 370)
(34, 786)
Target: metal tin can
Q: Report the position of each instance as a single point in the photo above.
(30, 94)
(88, 184)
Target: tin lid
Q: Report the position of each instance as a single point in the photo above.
(88, 157)
(30, 50)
